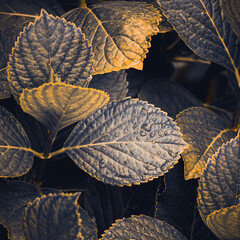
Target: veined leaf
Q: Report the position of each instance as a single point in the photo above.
(225, 223)
(46, 47)
(14, 197)
(204, 28)
(204, 131)
(16, 156)
(219, 185)
(54, 216)
(119, 32)
(125, 142)
(58, 105)
(142, 228)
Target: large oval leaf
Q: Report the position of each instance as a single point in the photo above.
(119, 32)
(204, 28)
(125, 142)
(142, 228)
(16, 156)
(47, 46)
(57, 105)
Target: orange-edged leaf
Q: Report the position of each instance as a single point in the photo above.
(119, 32)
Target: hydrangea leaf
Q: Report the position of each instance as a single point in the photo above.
(142, 228)
(16, 156)
(119, 31)
(14, 197)
(58, 105)
(54, 216)
(204, 131)
(113, 83)
(46, 47)
(205, 29)
(219, 185)
(125, 142)
(225, 223)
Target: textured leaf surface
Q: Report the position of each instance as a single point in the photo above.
(54, 216)
(11, 25)
(58, 105)
(16, 157)
(219, 185)
(204, 28)
(47, 46)
(225, 222)
(200, 128)
(113, 83)
(142, 228)
(125, 142)
(119, 32)
(14, 197)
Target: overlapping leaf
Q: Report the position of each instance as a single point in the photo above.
(119, 32)
(125, 142)
(58, 105)
(142, 228)
(219, 185)
(49, 45)
(16, 157)
(204, 131)
(205, 29)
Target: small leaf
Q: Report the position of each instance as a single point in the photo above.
(201, 129)
(119, 32)
(14, 197)
(125, 142)
(54, 216)
(219, 185)
(16, 157)
(113, 83)
(49, 46)
(58, 105)
(142, 228)
(225, 223)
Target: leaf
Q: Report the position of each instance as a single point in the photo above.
(119, 32)
(232, 11)
(46, 47)
(225, 222)
(113, 83)
(204, 28)
(219, 185)
(14, 197)
(11, 25)
(58, 105)
(142, 228)
(54, 216)
(168, 96)
(16, 156)
(204, 131)
(125, 142)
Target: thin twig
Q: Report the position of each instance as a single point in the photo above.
(187, 59)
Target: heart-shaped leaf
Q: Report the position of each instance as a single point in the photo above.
(125, 142)
(49, 45)
(119, 32)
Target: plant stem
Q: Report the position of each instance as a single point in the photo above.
(49, 142)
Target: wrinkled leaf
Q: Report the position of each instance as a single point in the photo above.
(54, 216)
(125, 142)
(119, 32)
(16, 157)
(113, 83)
(201, 129)
(58, 105)
(219, 185)
(225, 223)
(142, 228)
(14, 197)
(49, 45)
(204, 28)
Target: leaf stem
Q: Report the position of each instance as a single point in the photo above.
(19, 14)
(49, 142)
